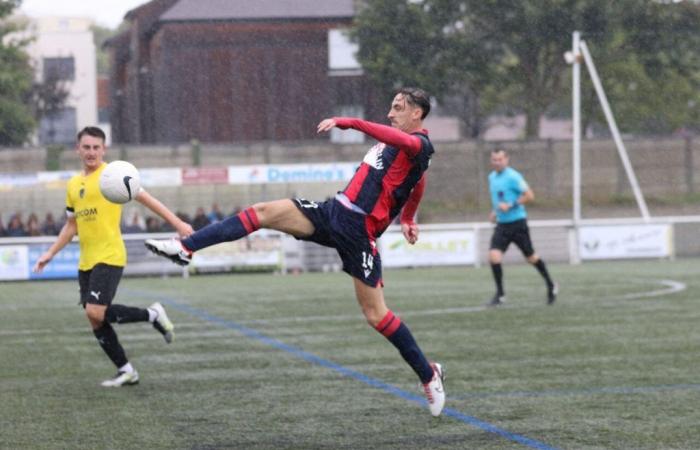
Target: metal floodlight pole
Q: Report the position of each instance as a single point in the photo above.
(576, 90)
(576, 157)
(615, 132)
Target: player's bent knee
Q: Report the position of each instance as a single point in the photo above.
(95, 314)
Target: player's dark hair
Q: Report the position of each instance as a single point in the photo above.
(94, 132)
(417, 97)
(499, 150)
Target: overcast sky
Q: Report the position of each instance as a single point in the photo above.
(104, 12)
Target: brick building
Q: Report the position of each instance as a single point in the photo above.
(235, 70)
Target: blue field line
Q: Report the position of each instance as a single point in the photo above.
(253, 334)
(575, 392)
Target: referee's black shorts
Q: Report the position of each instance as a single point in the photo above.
(516, 232)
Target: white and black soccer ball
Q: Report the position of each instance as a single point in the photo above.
(120, 182)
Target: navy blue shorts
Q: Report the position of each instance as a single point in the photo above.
(98, 286)
(344, 230)
(517, 232)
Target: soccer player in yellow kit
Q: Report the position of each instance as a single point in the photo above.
(96, 221)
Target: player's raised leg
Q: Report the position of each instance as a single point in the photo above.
(371, 300)
(280, 215)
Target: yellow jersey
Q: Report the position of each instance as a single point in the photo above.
(98, 222)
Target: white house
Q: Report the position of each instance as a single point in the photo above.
(64, 46)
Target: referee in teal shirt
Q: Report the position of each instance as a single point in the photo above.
(509, 193)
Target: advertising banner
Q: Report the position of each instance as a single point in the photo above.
(63, 266)
(160, 177)
(434, 248)
(625, 241)
(291, 173)
(13, 262)
(205, 175)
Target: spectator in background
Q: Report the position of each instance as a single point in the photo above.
(33, 228)
(135, 224)
(200, 219)
(50, 227)
(153, 225)
(15, 228)
(215, 215)
(3, 232)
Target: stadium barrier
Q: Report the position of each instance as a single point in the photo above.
(458, 244)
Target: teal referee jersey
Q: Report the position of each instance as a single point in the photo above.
(507, 186)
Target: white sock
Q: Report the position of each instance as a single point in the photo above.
(128, 368)
(152, 315)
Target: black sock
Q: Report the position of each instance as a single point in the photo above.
(110, 344)
(398, 334)
(497, 270)
(542, 269)
(125, 314)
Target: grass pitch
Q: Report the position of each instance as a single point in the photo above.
(287, 362)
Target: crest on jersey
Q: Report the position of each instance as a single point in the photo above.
(82, 192)
(374, 156)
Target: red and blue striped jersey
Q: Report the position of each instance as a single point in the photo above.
(390, 175)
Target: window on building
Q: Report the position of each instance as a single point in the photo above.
(348, 136)
(59, 68)
(59, 128)
(342, 54)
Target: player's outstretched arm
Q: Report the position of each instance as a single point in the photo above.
(69, 230)
(382, 133)
(183, 229)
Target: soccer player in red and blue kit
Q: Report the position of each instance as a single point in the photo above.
(389, 181)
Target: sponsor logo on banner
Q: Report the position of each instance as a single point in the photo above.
(625, 241)
(205, 175)
(291, 173)
(434, 248)
(14, 263)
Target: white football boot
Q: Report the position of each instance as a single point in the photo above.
(162, 323)
(122, 379)
(435, 391)
(171, 249)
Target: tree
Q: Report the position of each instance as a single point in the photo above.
(16, 75)
(47, 99)
(507, 54)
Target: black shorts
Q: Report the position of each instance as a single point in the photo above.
(517, 232)
(344, 230)
(98, 285)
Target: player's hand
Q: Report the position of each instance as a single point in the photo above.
(42, 262)
(492, 217)
(503, 206)
(410, 232)
(184, 229)
(326, 125)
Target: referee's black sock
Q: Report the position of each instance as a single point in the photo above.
(542, 269)
(497, 270)
(110, 344)
(125, 314)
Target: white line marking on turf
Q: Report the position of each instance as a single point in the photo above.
(670, 287)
